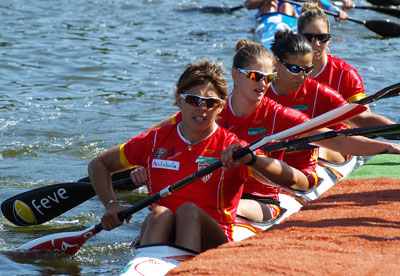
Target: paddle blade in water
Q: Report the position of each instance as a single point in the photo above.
(66, 243)
(384, 2)
(384, 28)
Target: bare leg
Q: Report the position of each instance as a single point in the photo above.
(158, 226)
(196, 230)
(254, 210)
(330, 155)
(288, 9)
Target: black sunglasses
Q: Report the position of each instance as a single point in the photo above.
(320, 37)
(196, 100)
(295, 69)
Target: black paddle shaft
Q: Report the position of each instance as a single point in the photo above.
(384, 2)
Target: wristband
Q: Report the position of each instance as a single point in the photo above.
(253, 159)
(110, 202)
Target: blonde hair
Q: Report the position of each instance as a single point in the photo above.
(311, 11)
(247, 52)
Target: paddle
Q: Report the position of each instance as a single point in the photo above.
(384, 2)
(40, 205)
(384, 28)
(384, 10)
(210, 9)
(70, 243)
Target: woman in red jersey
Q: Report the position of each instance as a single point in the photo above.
(201, 215)
(330, 70)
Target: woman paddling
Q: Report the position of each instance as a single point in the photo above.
(201, 215)
(251, 115)
(272, 6)
(330, 70)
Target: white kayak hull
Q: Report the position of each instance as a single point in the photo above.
(156, 259)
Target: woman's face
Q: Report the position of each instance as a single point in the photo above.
(289, 80)
(319, 47)
(246, 82)
(200, 114)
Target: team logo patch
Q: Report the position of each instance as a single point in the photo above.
(203, 162)
(23, 213)
(255, 131)
(300, 107)
(160, 153)
(165, 164)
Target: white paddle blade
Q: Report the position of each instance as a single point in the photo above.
(67, 243)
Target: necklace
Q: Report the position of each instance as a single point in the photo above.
(190, 145)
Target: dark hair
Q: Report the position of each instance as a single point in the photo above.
(310, 12)
(248, 52)
(200, 73)
(288, 43)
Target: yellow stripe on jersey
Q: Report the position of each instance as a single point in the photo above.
(355, 97)
(122, 158)
(250, 169)
(173, 119)
(222, 203)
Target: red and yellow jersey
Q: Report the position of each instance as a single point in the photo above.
(313, 99)
(168, 158)
(269, 118)
(343, 78)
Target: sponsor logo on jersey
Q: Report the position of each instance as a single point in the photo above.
(300, 107)
(160, 153)
(165, 164)
(172, 153)
(256, 131)
(203, 162)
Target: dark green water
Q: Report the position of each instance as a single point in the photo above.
(80, 76)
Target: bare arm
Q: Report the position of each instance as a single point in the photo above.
(100, 170)
(357, 145)
(368, 118)
(267, 170)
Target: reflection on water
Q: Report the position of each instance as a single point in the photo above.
(78, 77)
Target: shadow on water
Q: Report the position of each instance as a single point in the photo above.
(43, 262)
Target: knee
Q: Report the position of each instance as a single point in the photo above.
(162, 212)
(188, 210)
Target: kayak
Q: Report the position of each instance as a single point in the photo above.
(158, 259)
(267, 24)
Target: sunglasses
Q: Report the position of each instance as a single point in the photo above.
(256, 75)
(197, 101)
(295, 69)
(323, 38)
